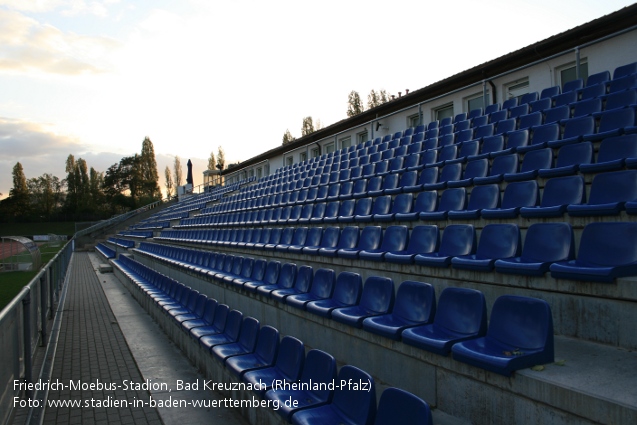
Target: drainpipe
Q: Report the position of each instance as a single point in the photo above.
(493, 95)
(578, 74)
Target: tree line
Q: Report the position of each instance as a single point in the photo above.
(85, 193)
(354, 107)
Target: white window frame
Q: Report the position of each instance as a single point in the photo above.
(345, 142)
(362, 137)
(478, 95)
(314, 152)
(567, 66)
(302, 156)
(289, 160)
(413, 120)
(436, 112)
(329, 148)
(517, 88)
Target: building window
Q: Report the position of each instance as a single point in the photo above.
(329, 148)
(516, 89)
(251, 173)
(413, 120)
(303, 156)
(442, 112)
(362, 137)
(314, 152)
(475, 101)
(568, 72)
(259, 173)
(345, 142)
(289, 160)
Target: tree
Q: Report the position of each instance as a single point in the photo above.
(287, 137)
(221, 159)
(308, 126)
(45, 193)
(149, 184)
(212, 162)
(354, 104)
(19, 194)
(178, 172)
(169, 182)
(96, 181)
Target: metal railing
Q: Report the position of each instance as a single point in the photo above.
(23, 327)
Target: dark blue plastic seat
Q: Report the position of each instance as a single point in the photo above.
(574, 131)
(467, 149)
(349, 405)
(544, 244)
(331, 213)
(607, 251)
(481, 197)
(550, 92)
(380, 205)
(397, 406)
(286, 278)
(264, 354)
(541, 136)
(415, 304)
(528, 121)
(614, 123)
(401, 204)
(473, 169)
(532, 162)
(559, 193)
(450, 172)
(569, 159)
(453, 199)
(312, 239)
(348, 239)
(377, 298)
(457, 239)
(496, 241)
(212, 322)
(609, 192)
(328, 239)
(209, 338)
(287, 368)
(322, 287)
(270, 277)
(370, 239)
(625, 70)
(612, 154)
(346, 208)
(505, 164)
(425, 201)
(516, 195)
(520, 335)
(363, 207)
(319, 368)
(573, 85)
(394, 239)
(301, 284)
(347, 292)
(461, 314)
(423, 239)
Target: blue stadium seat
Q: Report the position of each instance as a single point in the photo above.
(533, 119)
(370, 239)
(569, 159)
(625, 70)
(623, 84)
(612, 154)
(558, 194)
(573, 85)
(425, 201)
(286, 279)
(270, 277)
(322, 287)
(264, 354)
(501, 165)
(230, 332)
(496, 241)
(450, 172)
(467, 149)
(461, 314)
(377, 298)
(622, 99)
(362, 207)
(397, 406)
(394, 239)
(347, 292)
(453, 199)
(213, 321)
(312, 239)
(287, 368)
(520, 335)
(245, 344)
(550, 92)
(487, 196)
(587, 107)
(423, 239)
(473, 169)
(457, 239)
(301, 284)
(349, 405)
(415, 304)
(380, 205)
(541, 136)
(532, 162)
(345, 208)
(516, 195)
(614, 123)
(609, 192)
(574, 131)
(328, 239)
(544, 244)
(401, 204)
(607, 251)
(542, 104)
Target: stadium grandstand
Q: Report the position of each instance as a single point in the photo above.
(465, 253)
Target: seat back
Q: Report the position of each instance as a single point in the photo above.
(349, 237)
(323, 283)
(402, 203)
(378, 294)
(394, 238)
(287, 275)
(579, 126)
(290, 358)
(363, 206)
(313, 237)
(457, 239)
(319, 367)
(370, 238)
(450, 172)
(272, 271)
(618, 147)
(618, 186)
(576, 153)
(499, 241)
(477, 168)
(462, 310)
(258, 269)
(358, 406)
(453, 199)
(303, 279)
(233, 325)
(520, 194)
(521, 322)
(348, 288)
(428, 176)
(330, 237)
(545, 133)
(246, 267)
(267, 345)
(516, 139)
(346, 208)
(397, 406)
(415, 301)
(608, 244)
(424, 239)
(549, 242)
(249, 333)
(563, 191)
(504, 164)
(426, 201)
(486, 196)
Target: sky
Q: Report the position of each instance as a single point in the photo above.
(93, 78)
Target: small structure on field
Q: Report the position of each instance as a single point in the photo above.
(18, 253)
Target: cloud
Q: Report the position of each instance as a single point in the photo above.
(28, 46)
(66, 7)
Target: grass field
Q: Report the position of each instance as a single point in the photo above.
(28, 229)
(12, 282)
